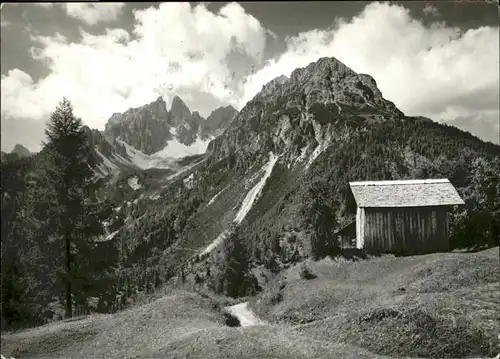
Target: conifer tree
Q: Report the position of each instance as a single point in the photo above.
(237, 279)
(62, 208)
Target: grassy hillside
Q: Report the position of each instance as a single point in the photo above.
(178, 325)
(125, 334)
(422, 306)
(381, 307)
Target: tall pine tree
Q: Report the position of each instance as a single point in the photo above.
(62, 210)
(233, 274)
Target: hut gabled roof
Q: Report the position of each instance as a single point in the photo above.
(409, 193)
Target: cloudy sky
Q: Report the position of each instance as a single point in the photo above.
(434, 59)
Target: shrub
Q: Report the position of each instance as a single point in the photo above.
(476, 231)
(230, 320)
(305, 273)
(276, 297)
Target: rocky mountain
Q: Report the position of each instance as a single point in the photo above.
(298, 115)
(152, 129)
(21, 151)
(144, 127)
(152, 137)
(218, 121)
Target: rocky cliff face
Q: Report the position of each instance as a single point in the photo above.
(109, 157)
(151, 128)
(145, 128)
(299, 114)
(102, 144)
(218, 121)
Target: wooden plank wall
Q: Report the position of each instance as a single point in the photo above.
(359, 239)
(405, 230)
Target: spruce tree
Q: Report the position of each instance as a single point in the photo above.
(62, 207)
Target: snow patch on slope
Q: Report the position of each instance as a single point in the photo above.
(317, 151)
(254, 193)
(133, 182)
(217, 242)
(216, 195)
(135, 201)
(144, 161)
(247, 204)
(303, 154)
(176, 149)
(138, 158)
(111, 236)
(185, 169)
(323, 139)
(189, 181)
(155, 196)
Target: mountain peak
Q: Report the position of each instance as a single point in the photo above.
(21, 150)
(221, 117)
(144, 127)
(290, 114)
(325, 66)
(177, 101)
(179, 111)
(150, 127)
(227, 108)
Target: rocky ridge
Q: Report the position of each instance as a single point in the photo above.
(152, 137)
(298, 114)
(152, 128)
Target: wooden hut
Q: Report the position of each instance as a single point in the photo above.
(407, 217)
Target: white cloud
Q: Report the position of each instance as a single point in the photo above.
(92, 13)
(16, 86)
(109, 73)
(435, 71)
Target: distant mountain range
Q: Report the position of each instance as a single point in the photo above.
(176, 133)
(152, 137)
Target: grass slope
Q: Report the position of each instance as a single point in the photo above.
(180, 325)
(437, 305)
(125, 334)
